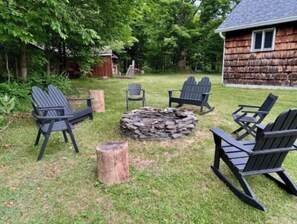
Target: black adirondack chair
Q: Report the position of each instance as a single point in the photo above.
(135, 93)
(264, 156)
(247, 117)
(55, 122)
(194, 94)
(57, 98)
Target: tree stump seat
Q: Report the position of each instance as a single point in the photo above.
(113, 162)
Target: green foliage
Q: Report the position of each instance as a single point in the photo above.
(159, 34)
(7, 104)
(61, 81)
(210, 44)
(2, 120)
(167, 34)
(18, 90)
(21, 91)
(175, 34)
(54, 30)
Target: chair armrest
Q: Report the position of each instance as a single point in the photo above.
(227, 138)
(205, 95)
(45, 110)
(172, 90)
(64, 117)
(241, 106)
(78, 99)
(252, 106)
(89, 100)
(255, 112)
(50, 108)
(260, 126)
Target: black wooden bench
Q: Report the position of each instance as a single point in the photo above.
(194, 94)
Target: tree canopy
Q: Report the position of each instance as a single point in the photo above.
(158, 34)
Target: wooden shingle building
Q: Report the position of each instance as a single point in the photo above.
(261, 43)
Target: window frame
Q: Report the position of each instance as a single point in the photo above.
(263, 39)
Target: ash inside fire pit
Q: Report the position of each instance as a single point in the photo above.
(157, 124)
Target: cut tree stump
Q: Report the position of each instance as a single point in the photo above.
(97, 96)
(113, 162)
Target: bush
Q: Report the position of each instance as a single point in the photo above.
(21, 91)
(2, 121)
(61, 81)
(7, 104)
(17, 90)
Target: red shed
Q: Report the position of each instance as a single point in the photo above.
(108, 67)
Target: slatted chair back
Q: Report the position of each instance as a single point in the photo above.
(134, 89)
(42, 100)
(59, 99)
(276, 136)
(268, 103)
(193, 90)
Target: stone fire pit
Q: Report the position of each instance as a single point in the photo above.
(157, 124)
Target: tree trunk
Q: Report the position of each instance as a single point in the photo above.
(181, 64)
(16, 67)
(113, 162)
(7, 67)
(48, 64)
(23, 62)
(97, 97)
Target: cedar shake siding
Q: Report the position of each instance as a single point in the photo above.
(277, 67)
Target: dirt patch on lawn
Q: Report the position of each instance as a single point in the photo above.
(141, 163)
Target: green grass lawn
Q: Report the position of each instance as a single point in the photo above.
(170, 181)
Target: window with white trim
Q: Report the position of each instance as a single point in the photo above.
(263, 40)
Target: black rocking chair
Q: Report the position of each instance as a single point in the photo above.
(247, 117)
(264, 156)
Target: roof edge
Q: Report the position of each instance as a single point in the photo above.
(264, 23)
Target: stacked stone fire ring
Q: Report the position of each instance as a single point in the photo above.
(157, 124)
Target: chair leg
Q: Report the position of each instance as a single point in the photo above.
(127, 106)
(72, 137)
(38, 137)
(65, 136)
(205, 104)
(247, 196)
(201, 108)
(249, 130)
(46, 137)
(287, 183)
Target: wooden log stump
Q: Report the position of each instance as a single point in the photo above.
(113, 162)
(97, 96)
